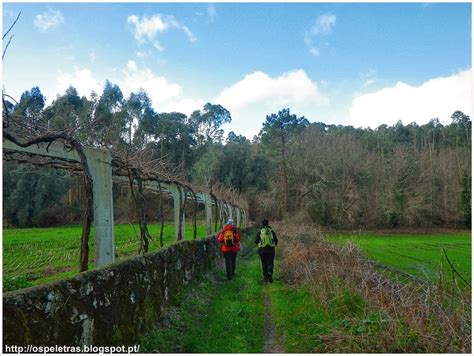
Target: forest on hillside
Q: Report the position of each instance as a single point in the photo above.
(338, 176)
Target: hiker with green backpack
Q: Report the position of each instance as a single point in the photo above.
(266, 241)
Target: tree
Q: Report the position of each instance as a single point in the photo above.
(110, 118)
(68, 111)
(175, 138)
(278, 130)
(31, 105)
(139, 113)
(206, 169)
(29, 191)
(207, 123)
(460, 129)
(466, 195)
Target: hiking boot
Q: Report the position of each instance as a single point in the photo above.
(270, 278)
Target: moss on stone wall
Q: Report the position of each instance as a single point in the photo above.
(112, 305)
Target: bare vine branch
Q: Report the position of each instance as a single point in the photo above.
(13, 24)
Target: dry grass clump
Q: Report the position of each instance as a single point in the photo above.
(418, 317)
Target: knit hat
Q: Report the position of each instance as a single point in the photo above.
(230, 221)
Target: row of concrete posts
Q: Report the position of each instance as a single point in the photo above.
(100, 167)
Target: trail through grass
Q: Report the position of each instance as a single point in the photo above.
(219, 316)
(272, 344)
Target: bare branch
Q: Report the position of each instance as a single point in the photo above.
(13, 24)
(6, 47)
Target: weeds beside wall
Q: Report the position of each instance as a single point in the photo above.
(107, 306)
(400, 316)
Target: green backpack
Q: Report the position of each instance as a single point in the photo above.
(266, 237)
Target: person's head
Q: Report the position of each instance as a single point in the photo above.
(230, 221)
(264, 222)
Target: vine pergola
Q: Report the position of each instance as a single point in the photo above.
(99, 168)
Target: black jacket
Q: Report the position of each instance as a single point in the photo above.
(266, 248)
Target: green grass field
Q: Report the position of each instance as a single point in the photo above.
(418, 254)
(39, 255)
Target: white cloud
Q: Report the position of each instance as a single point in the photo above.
(165, 95)
(211, 11)
(175, 24)
(436, 98)
(9, 13)
(131, 65)
(81, 79)
(259, 88)
(159, 89)
(322, 26)
(367, 83)
(314, 51)
(258, 95)
(148, 28)
(48, 20)
(92, 56)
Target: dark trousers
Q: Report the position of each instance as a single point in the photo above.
(267, 258)
(230, 258)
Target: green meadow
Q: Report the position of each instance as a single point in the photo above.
(418, 254)
(39, 255)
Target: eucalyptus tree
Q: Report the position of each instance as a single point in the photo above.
(276, 134)
(139, 112)
(207, 123)
(110, 117)
(70, 111)
(31, 105)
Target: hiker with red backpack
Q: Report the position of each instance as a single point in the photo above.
(229, 238)
(266, 241)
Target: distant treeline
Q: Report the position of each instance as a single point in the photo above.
(338, 176)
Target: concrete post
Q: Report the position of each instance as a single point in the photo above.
(238, 217)
(178, 200)
(228, 210)
(100, 166)
(221, 215)
(208, 205)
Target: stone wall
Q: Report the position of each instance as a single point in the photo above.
(110, 305)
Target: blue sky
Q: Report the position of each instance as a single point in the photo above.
(341, 63)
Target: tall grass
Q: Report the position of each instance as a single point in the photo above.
(413, 317)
